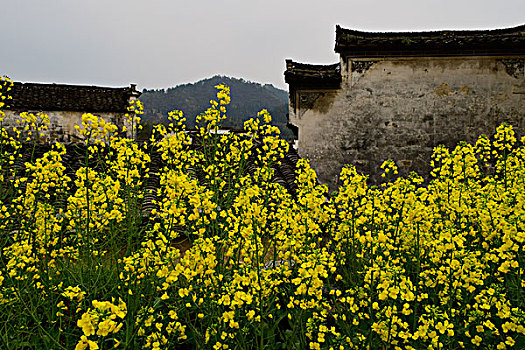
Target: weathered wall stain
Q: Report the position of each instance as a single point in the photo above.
(442, 90)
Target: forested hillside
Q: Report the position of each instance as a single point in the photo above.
(247, 98)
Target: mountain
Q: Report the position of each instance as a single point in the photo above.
(247, 98)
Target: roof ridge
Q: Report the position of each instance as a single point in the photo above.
(70, 85)
(497, 31)
(290, 65)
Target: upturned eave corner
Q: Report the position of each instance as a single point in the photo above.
(302, 76)
(312, 76)
(133, 91)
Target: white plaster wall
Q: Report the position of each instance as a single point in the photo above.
(62, 124)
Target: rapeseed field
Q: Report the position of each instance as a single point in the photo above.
(409, 264)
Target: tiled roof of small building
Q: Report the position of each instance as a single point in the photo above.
(59, 97)
(302, 75)
(444, 42)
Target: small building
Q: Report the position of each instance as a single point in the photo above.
(65, 105)
(398, 95)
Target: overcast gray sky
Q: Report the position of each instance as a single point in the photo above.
(163, 43)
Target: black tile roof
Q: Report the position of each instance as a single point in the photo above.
(60, 97)
(302, 75)
(445, 42)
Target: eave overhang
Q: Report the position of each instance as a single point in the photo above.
(304, 76)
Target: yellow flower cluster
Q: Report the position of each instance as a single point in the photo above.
(31, 124)
(228, 258)
(5, 86)
(101, 320)
(95, 130)
(133, 117)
